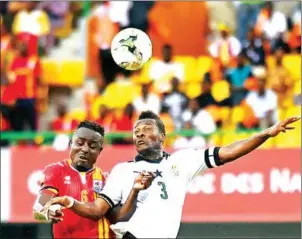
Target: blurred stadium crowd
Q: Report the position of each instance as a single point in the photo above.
(246, 78)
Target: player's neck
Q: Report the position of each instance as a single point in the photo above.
(154, 154)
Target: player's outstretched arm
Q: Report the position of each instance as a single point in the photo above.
(98, 209)
(243, 147)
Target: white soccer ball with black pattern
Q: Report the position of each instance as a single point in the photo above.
(131, 48)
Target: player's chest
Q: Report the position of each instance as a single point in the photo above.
(168, 183)
(83, 187)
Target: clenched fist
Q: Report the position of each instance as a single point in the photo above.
(143, 180)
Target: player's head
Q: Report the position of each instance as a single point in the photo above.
(86, 145)
(149, 133)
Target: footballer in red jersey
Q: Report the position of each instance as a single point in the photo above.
(79, 178)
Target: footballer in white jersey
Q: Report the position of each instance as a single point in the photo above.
(158, 208)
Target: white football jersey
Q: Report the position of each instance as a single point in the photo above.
(159, 208)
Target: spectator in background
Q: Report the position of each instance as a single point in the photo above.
(280, 80)
(162, 71)
(294, 38)
(246, 12)
(237, 77)
(138, 14)
(272, 24)
(31, 25)
(176, 102)
(105, 117)
(63, 123)
(107, 27)
(207, 101)
(226, 48)
(200, 118)
(147, 100)
(253, 49)
(167, 119)
(24, 77)
(56, 12)
(193, 141)
(206, 98)
(124, 123)
(263, 102)
(5, 46)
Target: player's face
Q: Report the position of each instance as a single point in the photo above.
(85, 148)
(146, 135)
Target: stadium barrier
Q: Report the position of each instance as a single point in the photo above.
(264, 186)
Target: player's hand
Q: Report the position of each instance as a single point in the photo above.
(55, 213)
(64, 201)
(282, 126)
(143, 180)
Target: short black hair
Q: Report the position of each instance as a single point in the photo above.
(151, 115)
(93, 126)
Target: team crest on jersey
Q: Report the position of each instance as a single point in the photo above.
(67, 180)
(174, 170)
(98, 186)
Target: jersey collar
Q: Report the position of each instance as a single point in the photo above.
(69, 163)
(139, 158)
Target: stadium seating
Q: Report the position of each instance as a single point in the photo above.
(293, 64)
(203, 65)
(221, 90)
(77, 114)
(63, 73)
(189, 66)
(192, 89)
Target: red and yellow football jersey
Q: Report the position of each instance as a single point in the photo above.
(62, 179)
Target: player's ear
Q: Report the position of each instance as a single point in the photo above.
(70, 143)
(162, 137)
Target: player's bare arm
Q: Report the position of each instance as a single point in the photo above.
(53, 213)
(98, 209)
(243, 147)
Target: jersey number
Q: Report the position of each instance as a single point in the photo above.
(164, 195)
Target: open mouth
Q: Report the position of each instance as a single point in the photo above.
(141, 142)
(83, 158)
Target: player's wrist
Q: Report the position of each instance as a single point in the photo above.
(266, 133)
(69, 202)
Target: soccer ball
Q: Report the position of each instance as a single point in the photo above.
(131, 48)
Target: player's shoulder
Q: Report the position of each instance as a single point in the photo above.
(61, 165)
(123, 166)
(185, 153)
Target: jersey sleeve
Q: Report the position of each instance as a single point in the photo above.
(50, 180)
(196, 161)
(112, 191)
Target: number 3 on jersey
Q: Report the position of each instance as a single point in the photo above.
(164, 195)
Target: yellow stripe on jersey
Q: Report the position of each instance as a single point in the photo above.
(103, 225)
(106, 228)
(101, 228)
